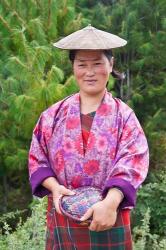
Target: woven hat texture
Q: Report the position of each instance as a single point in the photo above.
(90, 38)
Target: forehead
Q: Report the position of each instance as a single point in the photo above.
(89, 55)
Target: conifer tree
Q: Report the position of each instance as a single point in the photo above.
(33, 75)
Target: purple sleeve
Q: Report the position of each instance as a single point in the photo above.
(39, 164)
(127, 189)
(37, 178)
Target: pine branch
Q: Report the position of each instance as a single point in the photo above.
(7, 6)
(49, 14)
(38, 3)
(5, 23)
(15, 13)
(36, 30)
(18, 62)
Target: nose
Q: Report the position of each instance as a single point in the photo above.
(90, 71)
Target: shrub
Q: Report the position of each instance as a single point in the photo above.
(28, 235)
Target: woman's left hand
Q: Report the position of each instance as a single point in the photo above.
(104, 213)
(103, 217)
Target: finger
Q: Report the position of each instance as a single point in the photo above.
(87, 215)
(97, 227)
(93, 226)
(56, 204)
(66, 191)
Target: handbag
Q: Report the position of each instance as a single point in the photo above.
(75, 206)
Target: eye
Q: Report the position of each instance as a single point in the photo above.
(98, 63)
(81, 65)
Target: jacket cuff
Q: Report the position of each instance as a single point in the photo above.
(37, 178)
(127, 189)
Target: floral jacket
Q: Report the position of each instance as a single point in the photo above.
(116, 153)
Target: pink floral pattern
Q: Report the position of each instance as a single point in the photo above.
(59, 161)
(69, 146)
(91, 167)
(33, 162)
(72, 123)
(101, 143)
(117, 147)
(91, 141)
(104, 109)
(79, 144)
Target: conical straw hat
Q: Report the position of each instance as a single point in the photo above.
(90, 38)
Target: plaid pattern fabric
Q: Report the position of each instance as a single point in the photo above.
(64, 234)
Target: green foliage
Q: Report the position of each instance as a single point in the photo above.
(143, 239)
(153, 195)
(71, 86)
(28, 235)
(31, 74)
(55, 75)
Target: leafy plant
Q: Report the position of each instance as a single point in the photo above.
(28, 235)
(143, 239)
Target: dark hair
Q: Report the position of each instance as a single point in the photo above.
(108, 53)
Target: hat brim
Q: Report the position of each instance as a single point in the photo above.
(90, 38)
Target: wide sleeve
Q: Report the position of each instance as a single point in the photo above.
(131, 163)
(38, 164)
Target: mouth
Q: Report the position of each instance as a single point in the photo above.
(91, 82)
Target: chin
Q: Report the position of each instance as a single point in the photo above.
(93, 91)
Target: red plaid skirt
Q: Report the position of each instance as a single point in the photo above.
(64, 234)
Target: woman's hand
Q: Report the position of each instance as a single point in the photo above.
(58, 193)
(104, 217)
(57, 190)
(104, 212)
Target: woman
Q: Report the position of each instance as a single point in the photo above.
(89, 139)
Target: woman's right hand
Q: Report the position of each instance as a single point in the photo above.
(58, 193)
(57, 190)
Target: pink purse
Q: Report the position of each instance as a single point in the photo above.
(75, 206)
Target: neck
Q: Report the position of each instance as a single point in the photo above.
(90, 103)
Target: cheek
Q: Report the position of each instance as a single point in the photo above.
(104, 72)
(78, 73)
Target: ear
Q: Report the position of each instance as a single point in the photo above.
(111, 64)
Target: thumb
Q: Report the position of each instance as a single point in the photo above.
(87, 215)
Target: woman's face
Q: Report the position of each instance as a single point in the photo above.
(91, 70)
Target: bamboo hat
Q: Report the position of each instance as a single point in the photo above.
(90, 38)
